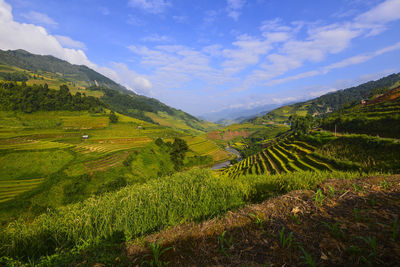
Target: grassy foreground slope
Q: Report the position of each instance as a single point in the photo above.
(341, 223)
(141, 209)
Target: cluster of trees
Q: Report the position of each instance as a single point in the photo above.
(17, 76)
(177, 151)
(303, 125)
(39, 97)
(113, 117)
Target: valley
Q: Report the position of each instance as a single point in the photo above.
(92, 173)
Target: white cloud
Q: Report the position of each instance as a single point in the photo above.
(150, 6)
(34, 39)
(358, 59)
(132, 80)
(274, 25)
(375, 20)
(233, 8)
(39, 18)
(319, 42)
(132, 20)
(173, 65)
(156, 38)
(70, 43)
(247, 52)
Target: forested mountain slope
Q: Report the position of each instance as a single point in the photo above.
(22, 66)
(332, 101)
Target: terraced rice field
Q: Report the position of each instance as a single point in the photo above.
(34, 145)
(206, 147)
(85, 122)
(11, 188)
(111, 145)
(285, 156)
(106, 162)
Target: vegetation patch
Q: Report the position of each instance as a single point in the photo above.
(23, 165)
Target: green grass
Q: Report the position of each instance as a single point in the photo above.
(141, 209)
(24, 165)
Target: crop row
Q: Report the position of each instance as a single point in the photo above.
(10, 189)
(34, 145)
(107, 162)
(286, 156)
(108, 146)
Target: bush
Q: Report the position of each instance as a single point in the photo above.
(113, 117)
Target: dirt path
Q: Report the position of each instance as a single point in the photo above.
(352, 223)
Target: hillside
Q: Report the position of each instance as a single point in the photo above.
(379, 115)
(22, 66)
(332, 101)
(320, 151)
(62, 141)
(39, 65)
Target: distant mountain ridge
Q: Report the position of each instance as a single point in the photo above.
(239, 114)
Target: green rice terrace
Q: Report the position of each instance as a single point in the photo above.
(320, 151)
(286, 156)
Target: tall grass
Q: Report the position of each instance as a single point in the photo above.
(140, 209)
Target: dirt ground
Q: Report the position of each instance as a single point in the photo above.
(341, 223)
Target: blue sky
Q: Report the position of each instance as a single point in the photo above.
(204, 56)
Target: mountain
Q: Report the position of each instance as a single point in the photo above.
(20, 65)
(69, 72)
(237, 115)
(332, 101)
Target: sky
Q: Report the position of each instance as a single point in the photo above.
(209, 55)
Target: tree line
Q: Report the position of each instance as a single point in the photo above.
(21, 97)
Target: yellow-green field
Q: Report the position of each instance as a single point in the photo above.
(35, 147)
(206, 147)
(12, 188)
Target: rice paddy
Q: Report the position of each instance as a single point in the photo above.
(45, 143)
(284, 157)
(12, 188)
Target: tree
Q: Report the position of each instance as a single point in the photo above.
(178, 151)
(301, 124)
(113, 117)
